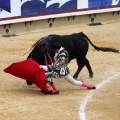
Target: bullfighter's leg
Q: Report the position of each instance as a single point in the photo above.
(70, 79)
(50, 82)
(87, 64)
(55, 90)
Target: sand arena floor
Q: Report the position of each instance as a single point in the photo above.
(21, 102)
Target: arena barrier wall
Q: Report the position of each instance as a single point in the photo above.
(24, 16)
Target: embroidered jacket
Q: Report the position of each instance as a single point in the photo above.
(59, 67)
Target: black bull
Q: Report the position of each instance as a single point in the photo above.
(76, 44)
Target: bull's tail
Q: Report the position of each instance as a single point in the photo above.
(104, 49)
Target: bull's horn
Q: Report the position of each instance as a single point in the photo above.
(27, 51)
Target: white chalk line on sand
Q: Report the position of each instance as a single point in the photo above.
(82, 114)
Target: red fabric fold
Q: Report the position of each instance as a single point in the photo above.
(29, 70)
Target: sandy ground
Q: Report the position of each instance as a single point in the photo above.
(21, 102)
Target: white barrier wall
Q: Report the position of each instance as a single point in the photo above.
(48, 24)
(29, 10)
(31, 15)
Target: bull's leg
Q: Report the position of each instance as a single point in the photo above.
(28, 82)
(80, 66)
(87, 64)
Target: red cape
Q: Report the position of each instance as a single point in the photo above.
(29, 70)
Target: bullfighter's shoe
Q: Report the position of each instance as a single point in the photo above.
(88, 85)
(92, 87)
(54, 92)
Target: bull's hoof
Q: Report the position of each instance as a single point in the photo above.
(75, 77)
(91, 76)
(28, 82)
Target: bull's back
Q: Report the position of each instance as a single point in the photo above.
(75, 44)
